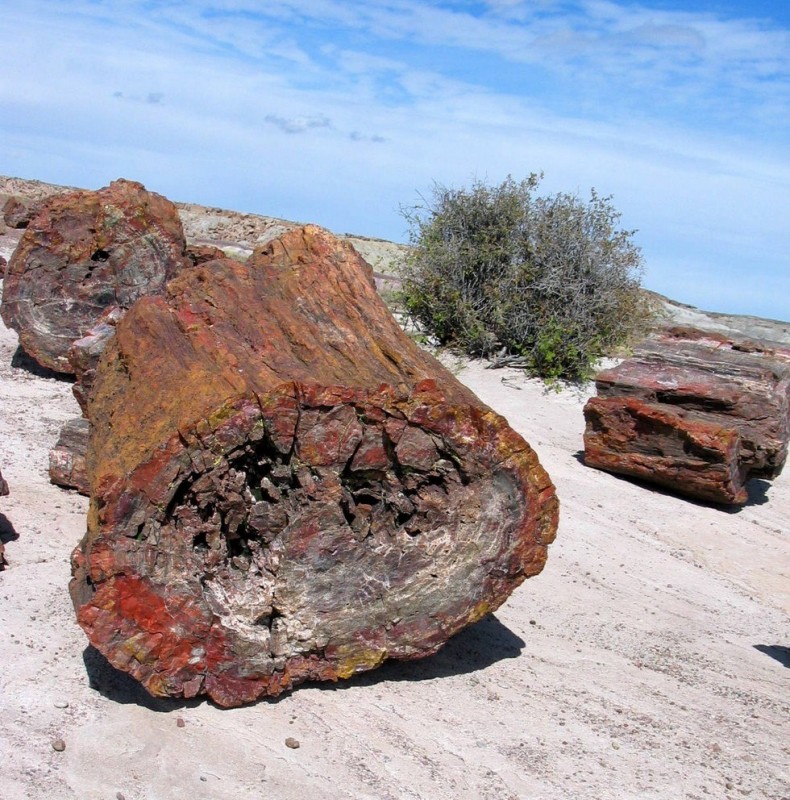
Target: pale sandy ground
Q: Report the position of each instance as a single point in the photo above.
(648, 660)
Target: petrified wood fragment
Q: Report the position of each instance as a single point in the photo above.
(83, 252)
(3, 486)
(285, 487)
(67, 466)
(666, 446)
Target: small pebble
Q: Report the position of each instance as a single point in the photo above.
(119, 796)
(292, 743)
(615, 746)
(59, 745)
(180, 722)
(203, 778)
(61, 704)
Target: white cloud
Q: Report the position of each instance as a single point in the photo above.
(383, 106)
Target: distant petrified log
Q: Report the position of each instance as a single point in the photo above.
(17, 212)
(666, 446)
(705, 392)
(67, 466)
(83, 252)
(286, 488)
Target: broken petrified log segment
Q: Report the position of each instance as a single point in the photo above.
(666, 446)
(67, 459)
(694, 411)
(83, 252)
(745, 389)
(286, 488)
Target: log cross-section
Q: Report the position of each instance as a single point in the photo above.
(284, 487)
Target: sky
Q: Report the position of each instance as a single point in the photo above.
(343, 112)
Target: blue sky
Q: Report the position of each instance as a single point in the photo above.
(340, 112)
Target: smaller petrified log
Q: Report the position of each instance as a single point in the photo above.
(82, 252)
(67, 459)
(203, 253)
(17, 212)
(666, 446)
(3, 486)
(729, 383)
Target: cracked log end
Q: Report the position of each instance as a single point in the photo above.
(309, 533)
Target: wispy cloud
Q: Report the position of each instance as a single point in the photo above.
(681, 115)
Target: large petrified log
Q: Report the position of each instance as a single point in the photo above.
(703, 398)
(82, 252)
(285, 487)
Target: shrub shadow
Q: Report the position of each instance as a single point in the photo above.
(781, 654)
(21, 360)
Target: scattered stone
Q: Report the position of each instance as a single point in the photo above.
(59, 745)
(180, 722)
(290, 482)
(3, 486)
(292, 743)
(82, 252)
(61, 704)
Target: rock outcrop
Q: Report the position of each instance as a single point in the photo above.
(698, 412)
(284, 487)
(82, 253)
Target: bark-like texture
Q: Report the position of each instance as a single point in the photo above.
(666, 446)
(82, 253)
(691, 383)
(67, 465)
(285, 487)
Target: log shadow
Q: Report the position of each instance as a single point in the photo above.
(7, 531)
(21, 360)
(756, 488)
(472, 650)
(781, 654)
(122, 688)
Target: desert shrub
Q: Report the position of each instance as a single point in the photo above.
(550, 280)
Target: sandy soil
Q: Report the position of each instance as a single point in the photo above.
(648, 660)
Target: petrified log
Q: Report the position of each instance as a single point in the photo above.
(285, 487)
(82, 252)
(17, 212)
(723, 382)
(3, 486)
(67, 466)
(666, 446)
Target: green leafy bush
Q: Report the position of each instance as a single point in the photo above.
(549, 280)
